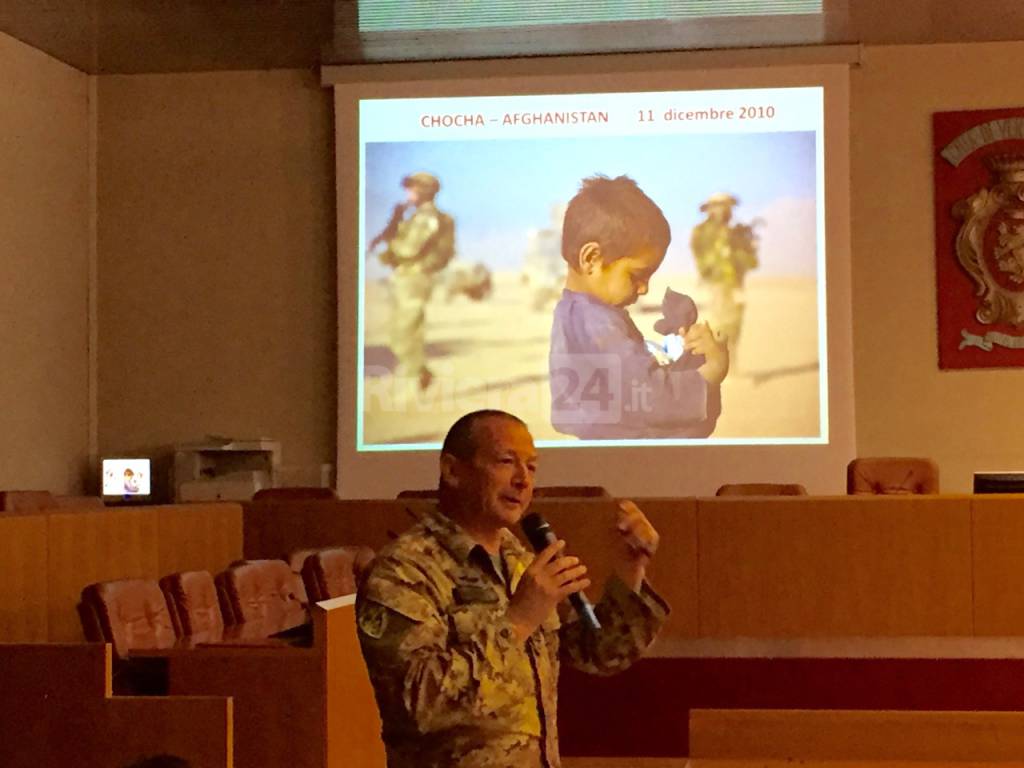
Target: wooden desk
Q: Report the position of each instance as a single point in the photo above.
(56, 709)
(300, 707)
(656, 695)
(866, 736)
(251, 634)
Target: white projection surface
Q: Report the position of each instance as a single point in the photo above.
(507, 164)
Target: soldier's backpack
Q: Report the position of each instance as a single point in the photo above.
(439, 250)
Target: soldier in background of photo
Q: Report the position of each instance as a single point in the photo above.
(419, 242)
(543, 266)
(472, 280)
(724, 252)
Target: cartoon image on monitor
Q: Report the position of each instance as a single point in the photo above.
(126, 478)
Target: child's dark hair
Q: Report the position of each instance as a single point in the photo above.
(615, 214)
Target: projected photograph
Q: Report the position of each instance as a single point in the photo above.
(469, 300)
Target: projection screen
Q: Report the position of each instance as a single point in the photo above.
(459, 289)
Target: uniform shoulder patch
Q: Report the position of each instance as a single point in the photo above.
(373, 620)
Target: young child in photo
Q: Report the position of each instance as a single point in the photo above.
(605, 382)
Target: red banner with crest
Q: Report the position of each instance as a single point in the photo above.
(979, 237)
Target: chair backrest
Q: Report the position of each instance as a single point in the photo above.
(892, 475)
(294, 494)
(90, 622)
(330, 573)
(130, 613)
(570, 492)
(261, 590)
(761, 489)
(193, 603)
(425, 493)
(297, 558)
(26, 501)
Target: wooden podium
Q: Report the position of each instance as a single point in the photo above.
(300, 707)
(56, 709)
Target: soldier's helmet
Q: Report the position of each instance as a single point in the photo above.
(424, 182)
(719, 199)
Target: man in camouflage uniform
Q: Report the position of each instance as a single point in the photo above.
(458, 622)
(420, 241)
(724, 253)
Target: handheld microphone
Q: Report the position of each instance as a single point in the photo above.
(540, 536)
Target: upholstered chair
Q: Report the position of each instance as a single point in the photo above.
(130, 614)
(193, 603)
(261, 590)
(892, 476)
(334, 572)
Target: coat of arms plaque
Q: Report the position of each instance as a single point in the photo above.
(979, 237)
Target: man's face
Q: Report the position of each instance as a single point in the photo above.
(720, 212)
(624, 280)
(497, 481)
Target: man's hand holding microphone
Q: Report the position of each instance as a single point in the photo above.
(554, 576)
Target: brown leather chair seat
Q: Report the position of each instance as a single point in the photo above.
(261, 590)
(26, 501)
(570, 492)
(422, 493)
(892, 476)
(129, 613)
(334, 572)
(193, 603)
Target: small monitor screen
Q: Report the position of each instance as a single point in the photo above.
(999, 482)
(126, 477)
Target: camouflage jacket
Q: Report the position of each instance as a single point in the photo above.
(724, 253)
(454, 686)
(425, 239)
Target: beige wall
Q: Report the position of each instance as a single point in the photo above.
(216, 266)
(217, 269)
(905, 405)
(45, 136)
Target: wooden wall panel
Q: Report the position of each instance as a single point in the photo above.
(588, 529)
(199, 729)
(856, 735)
(353, 735)
(23, 588)
(198, 537)
(998, 527)
(278, 700)
(95, 546)
(56, 710)
(45, 688)
(817, 566)
(273, 529)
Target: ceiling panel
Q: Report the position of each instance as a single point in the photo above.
(136, 36)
